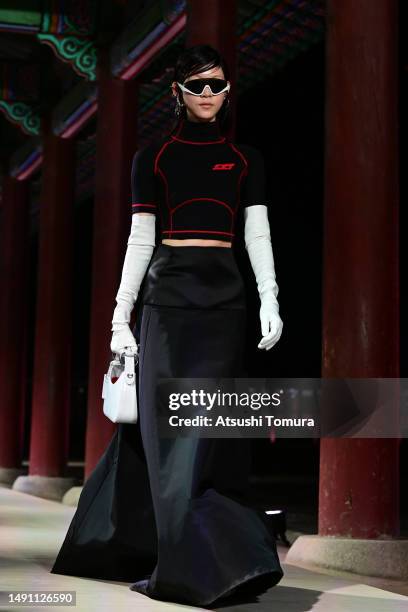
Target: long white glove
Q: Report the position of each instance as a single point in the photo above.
(259, 247)
(139, 251)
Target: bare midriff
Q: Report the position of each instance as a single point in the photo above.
(193, 241)
(196, 242)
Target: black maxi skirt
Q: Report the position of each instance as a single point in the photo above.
(175, 510)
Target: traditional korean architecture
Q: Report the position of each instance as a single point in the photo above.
(83, 85)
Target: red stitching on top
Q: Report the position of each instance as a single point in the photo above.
(158, 170)
(166, 185)
(240, 154)
(243, 172)
(159, 154)
(222, 139)
(195, 232)
(201, 199)
(142, 204)
(198, 200)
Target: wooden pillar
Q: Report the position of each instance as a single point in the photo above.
(52, 373)
(14, 245)
(359, 495)
(115, 147)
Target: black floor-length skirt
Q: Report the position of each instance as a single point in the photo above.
(176, 510)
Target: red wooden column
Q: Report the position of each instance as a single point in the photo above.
(13, 314)
(51, 378)
(211, 22)
(115, 146)
(359, 495)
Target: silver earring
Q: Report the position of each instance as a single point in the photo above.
(178, 107)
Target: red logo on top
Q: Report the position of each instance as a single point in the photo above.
(223, 166)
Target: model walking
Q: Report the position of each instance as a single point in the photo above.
(173, 513)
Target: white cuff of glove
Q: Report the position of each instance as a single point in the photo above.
(139, 252)
(259, 247)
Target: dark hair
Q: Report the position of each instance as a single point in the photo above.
(198, 59)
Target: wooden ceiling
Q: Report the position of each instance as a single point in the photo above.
(34, 73)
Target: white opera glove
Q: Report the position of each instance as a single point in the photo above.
(139, 252)
(259, 247)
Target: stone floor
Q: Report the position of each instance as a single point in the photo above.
(32, 529)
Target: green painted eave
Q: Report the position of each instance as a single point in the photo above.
(29, 13)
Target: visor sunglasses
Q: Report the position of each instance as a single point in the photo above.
(196, 86)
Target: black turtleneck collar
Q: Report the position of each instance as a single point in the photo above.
(198, 131)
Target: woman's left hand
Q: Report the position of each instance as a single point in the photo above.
(271, 323)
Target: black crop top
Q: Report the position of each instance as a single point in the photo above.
(197, 181)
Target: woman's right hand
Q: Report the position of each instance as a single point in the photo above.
(123, 339)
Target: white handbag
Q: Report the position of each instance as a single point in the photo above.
(120, 397)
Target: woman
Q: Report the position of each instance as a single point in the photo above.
(173, 513)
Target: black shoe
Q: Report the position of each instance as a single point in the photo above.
(228, 594)
(140, 586)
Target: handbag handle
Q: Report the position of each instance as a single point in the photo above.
(120, 358)
(129, 371)
(112, 364)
